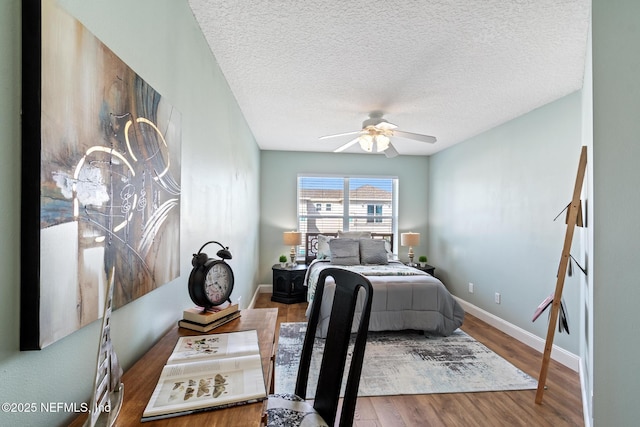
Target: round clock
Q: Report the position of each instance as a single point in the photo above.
(211, 280)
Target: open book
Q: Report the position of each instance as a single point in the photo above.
(207, 372)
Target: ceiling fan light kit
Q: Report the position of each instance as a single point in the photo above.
(378, 131)
(382, 142)
(367, 142)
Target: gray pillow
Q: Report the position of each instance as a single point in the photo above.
(387, 247)
(373, 251)
(345, 251)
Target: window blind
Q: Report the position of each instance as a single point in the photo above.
(327, 204)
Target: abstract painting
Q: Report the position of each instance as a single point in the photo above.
(100, 180)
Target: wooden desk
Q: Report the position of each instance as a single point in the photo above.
(141, 379)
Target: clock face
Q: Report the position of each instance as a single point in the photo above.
(218, 282)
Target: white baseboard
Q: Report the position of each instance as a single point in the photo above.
(558, 354)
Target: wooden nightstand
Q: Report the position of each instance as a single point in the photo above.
(288, 284)
(427, 269)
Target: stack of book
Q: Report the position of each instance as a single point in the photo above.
(201, 320)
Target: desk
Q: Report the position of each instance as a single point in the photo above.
(141, 379)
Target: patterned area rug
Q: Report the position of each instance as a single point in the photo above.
(407, 362)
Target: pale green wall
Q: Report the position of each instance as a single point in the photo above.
(492, 201)
(278, 206)
(161, 41)
(616, 147)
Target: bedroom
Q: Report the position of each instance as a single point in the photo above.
(191, 79)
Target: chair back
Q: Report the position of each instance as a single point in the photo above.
(349, 285)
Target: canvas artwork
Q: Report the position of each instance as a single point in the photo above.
(109, 179)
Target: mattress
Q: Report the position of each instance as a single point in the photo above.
(403, 298)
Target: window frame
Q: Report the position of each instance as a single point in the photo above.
(346, 215)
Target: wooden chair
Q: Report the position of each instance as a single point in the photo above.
(292, 410)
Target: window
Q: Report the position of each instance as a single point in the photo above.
(351, 203)
(374, 211)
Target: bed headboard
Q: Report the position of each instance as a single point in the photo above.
(311, 243)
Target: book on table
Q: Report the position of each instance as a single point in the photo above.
(199, 327)
(207, 372)
(205, 317)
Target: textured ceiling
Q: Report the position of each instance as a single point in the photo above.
(449, 68)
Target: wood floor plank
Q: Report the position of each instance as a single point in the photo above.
(561, 406)
(386, 411)
(365, 411)
(419, 410)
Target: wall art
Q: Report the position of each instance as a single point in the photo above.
(100, 179)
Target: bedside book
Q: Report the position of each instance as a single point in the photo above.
(208, 372)
(210, 326)
(204, 317)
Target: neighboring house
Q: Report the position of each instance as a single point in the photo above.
(322, 210)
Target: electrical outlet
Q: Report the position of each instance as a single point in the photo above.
(470, 287)
(497, 298)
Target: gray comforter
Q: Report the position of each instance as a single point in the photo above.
(403, 298)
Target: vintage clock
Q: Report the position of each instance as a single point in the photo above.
(211, 280)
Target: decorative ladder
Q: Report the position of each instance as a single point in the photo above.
(573, 215)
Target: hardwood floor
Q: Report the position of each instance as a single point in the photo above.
(561, 406)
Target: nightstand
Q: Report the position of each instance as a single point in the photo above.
(288, 284)
(427, 269)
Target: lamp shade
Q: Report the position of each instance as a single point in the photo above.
(382, 142)
(292, 238)
(366, 142)
(410, 239)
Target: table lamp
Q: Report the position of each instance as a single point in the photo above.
(411, 240)
(292, 238)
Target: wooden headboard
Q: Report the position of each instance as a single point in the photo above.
(311, 243)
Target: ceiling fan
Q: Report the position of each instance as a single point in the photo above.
(376, 133)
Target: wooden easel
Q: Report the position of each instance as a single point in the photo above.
(573, 215)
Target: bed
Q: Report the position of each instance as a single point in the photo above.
(403, 297)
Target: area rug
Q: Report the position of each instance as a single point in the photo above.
(408, 362)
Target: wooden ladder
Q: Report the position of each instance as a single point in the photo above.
(573, 215)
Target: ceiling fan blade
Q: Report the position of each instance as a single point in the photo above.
(416, 136)
(390, 152)
(340, 134)
(385, 126)
(345, 146)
